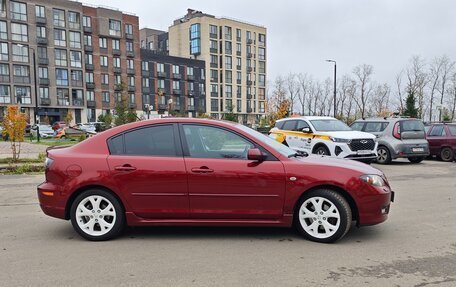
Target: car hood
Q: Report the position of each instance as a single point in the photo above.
(348, 135)
(330, 161)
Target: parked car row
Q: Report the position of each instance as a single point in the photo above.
(380, 139)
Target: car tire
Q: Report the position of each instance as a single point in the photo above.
(416, 159)
(446, 154)
(323, 215)
(383, 155)
(322, 150)
(97, 215)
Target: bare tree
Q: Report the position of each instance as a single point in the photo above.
(342, 97)
(417, 80)
(435, 70)
(447, 69)
(380, 99)
(293, 88)
(278, 94)
(399, 91)
(363, 75)
(305, 82)
(452, 92)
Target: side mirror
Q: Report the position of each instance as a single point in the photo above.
(306, 130)
(255, 154)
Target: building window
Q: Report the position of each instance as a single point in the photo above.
(77, 97)
(238, 48)
(4, 56)
(239, 106)
(262, 39)
(4, 71)
(42, 52)
(116, 62)
(214, 61)
(214, 89)
(213, 46)
(214, 105)
(132, 98)
(213, 31)
(228, 91)
(40, 11)
(262, 80)
(214, 76)
(130, 64)
(89, 77)
(227, 33)
(238, 34)
(90, 95)
(86, 21)
(160, 67)
(60, 57)
(44, 93)
(105, 79)
(75, 40)
(175, 69)
(228, 47)
(129, 29)
(103, 43)
(248, 35)
(228, 77)
(88, 40)
(63, 97)
(59, 18)
(117, 79)
(59, 37)
(195, 39)
(18, 11)
(191, 87)
(76, 59)
(88, 59)
(129, 46)
(76, 78)
(145, 82)
(19, 32)
(20, 53)
(20, 71)
(176, 85)
(115, 44)
(262, 67)
(131, 81)
(105, 97)
(3, 30)
(41, 32)
(103, 61)
(61, 77)
(114, 28)
(145, 66)
(261, 54)
(22, 95)
(161, 84)
(228, 62)
(190, 71)
(261, 94)
(74, 20)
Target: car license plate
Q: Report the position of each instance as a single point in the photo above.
(364, 152)
(417, 149)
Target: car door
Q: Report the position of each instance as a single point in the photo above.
(148, 168)
(289, 128)
(437, 139)
(222, 183)
(304, 141)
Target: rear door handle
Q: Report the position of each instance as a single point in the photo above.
(125, 167)
(203, 169)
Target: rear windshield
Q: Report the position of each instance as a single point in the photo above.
(412, 126)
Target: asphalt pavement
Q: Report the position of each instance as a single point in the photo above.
(416, 246)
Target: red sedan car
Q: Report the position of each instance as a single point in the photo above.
(442, 140)
(180, 171)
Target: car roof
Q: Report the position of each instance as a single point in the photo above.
(310, 118)
(379, 119)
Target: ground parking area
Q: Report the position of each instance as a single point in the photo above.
(415, 247)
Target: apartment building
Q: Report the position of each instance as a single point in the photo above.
(173, 84)
(154, 40)
(82, 53)
(235, 56)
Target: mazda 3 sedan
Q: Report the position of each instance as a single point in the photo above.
(179, 171)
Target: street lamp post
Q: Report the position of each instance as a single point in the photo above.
(36, 92)
(335, 83)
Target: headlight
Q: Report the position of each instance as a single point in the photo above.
(373, 180)
(339, 140)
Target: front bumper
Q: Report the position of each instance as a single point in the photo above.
(374, 205)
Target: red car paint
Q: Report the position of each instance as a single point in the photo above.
(205, 191)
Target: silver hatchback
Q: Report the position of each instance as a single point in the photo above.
(397, 138)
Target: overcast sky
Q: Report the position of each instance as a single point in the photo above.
(303, 33)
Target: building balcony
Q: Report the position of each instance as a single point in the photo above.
(115, 52)
(104, 51)
(162, 106)
(91, 104)
(249, 83)
(238, 81)
(249, 110)
(177, 76)
(4, 79)
(87, 29)
(88, 48)
(228, 52)
(249, 55)
(130, 54)
(90, 86)
(145, 73)
(213, 50)
(145, 90)
(238, 67)
(43, 61)
(104, 87)
(214, 94)
(238, 53)
(213, 35)
(21, 80)
(128, 36)
(177, 91)
(131, 88)
(190, 77)
(249, 96)
(191, 108)
(44, 81)
(190, 93)
(78, 102)
(41, 41)
(40, 20)
(214, 65)
(117, 70)
(45, 101)
(161, 74)
(130, 71)
(249, 69)
(249, 41)
(89, 67)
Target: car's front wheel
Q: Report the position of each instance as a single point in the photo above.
(383, 155)
(322, 150)
(97, 215)
(323, 215)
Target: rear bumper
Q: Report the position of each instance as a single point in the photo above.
(410, 150)
(51, 202)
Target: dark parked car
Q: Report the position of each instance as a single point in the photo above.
(183, 171)
(442, 140)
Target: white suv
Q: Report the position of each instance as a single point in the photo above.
(325, 136)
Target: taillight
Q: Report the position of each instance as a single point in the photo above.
(48, 162)
(397, 131)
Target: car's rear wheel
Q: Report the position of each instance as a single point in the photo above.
(322, 150)
(323, 215)
(97, 215)
(416, 159)
(447, 154)
(383, 155)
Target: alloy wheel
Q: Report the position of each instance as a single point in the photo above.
(95, 215)
(319, 217)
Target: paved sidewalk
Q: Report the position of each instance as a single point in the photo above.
(28, 150)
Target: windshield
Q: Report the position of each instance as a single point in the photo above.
(330, 125)
(281, 148)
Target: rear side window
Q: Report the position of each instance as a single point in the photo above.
(279, 125)
(375, 127)
(357, 126)
(149, 141)
(289, 125)
(452, 129)
(437, 131)
(412, 126)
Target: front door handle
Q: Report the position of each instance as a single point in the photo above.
(203, 169)
(125, 167)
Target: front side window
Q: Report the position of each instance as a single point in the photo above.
(289, 125)
(211, 142)
(437, 131)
